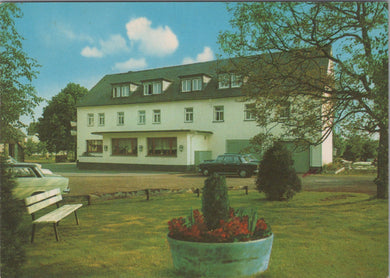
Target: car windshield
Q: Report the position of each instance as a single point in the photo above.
(246, 158)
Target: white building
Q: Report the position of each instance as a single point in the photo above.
(170, 118)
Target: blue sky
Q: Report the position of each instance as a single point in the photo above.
(82, 42)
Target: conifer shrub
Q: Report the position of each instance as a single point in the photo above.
(215, 201)
(277, 177)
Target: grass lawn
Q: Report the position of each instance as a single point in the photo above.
(317, 234)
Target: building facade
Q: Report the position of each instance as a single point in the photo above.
(170, 119)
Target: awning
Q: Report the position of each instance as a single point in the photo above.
(192, 131)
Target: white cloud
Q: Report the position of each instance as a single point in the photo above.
(68, 33)
(131, 64)
(160, 41)
(206, 55)
(91, 52)
(114, 44)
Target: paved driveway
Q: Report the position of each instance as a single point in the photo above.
(84, 182)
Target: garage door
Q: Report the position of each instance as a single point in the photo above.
(236, 146)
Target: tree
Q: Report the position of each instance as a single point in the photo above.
(339, 143)
(277, 177)
(359, 148)
(17, 70)
(13, 254)
(54, 127)
(32, 128)
(294, 39)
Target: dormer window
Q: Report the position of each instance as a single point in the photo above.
(229, 80)
(152, 88)
(191, 84)
(122, 90)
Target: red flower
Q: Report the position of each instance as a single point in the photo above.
(234, 229)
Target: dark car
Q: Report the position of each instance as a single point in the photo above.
(229, 164)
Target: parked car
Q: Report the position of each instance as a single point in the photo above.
(228, 164)
(30, 180)
(12, 160)
(251, 158)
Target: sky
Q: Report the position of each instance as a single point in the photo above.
(82, 42)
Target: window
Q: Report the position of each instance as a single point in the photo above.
(186, 85)
(121, 91)
(141, 117)
(124, 146)
(101, 119)
(162, 146)
(236, 80)
(125, 92)
(121, 118)
(197, 84)
(249, 115)
(94, 146)
(223, 81)
(90, 119)
(218, 114)
(22, 172)
(194, 84)
(229, 80)
(152, 88)
(156, 116)
(284, 109)
(188, 115)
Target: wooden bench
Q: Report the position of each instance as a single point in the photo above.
(40, 201)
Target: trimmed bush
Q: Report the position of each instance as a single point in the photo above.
(277, 177)
(215, 201)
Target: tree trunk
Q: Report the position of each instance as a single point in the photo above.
(382, 180)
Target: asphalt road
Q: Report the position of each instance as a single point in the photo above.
(83, 182)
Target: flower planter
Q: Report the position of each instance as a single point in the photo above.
(221, 259)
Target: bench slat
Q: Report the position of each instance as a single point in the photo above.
(35, 207)
(42, 196)
(58, 214)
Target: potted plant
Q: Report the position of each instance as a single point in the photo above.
(220, 241)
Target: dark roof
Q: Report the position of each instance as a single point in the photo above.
(101, 93)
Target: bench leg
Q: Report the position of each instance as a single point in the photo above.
(32, 233)
(77, 220)
(55, 230)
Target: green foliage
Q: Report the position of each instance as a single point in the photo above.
(295, 39)
(277, 177)
(359, 147)
(32, 128)
(215, 201)
(12, 233)
(252, 215)
(334, 166)
(54, 127)
(17, 70)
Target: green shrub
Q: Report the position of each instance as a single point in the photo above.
(215, 201)
(12, 234)
(277, 177)
(335, 165)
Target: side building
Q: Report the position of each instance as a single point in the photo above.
(171, 118)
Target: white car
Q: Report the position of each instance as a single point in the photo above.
(12, 160)
(30, 180)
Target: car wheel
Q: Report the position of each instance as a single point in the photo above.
(243, 173)
(205, 172)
